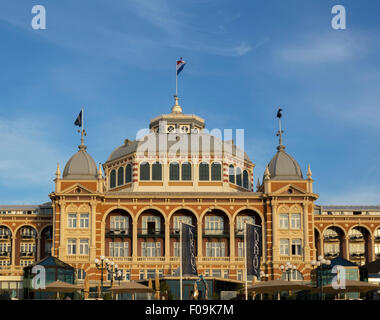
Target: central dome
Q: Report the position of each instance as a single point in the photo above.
(284, 167)
(81, 166)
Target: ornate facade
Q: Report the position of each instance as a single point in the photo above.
(179, 172)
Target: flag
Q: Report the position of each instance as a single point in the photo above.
(188, 250)
(279, 115)
(180, 65)
(254, 249)
(78, 121)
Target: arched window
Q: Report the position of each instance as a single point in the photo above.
(216, 171)
(156, 171)
(204, 174)
(174, 171)
(245, 179)
(128, 173)
(120, 176)
(238, 176)
(186, 171)
(231, 173)
(113, 179)
(144, 171)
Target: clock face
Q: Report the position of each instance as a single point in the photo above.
(170, 129)
(185, 129)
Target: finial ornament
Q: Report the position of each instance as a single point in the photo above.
(280, 132)
(267, 174)
(100, 172)
(308, 172)
(258, 184)
(58, 172)
(176, 108)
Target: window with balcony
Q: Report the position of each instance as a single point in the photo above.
(296, 247)
(119, 224)
(216, 171)
(151, 225)
(295, 219)
(27, 249)
(215, 249)
(357, 249)
(4, 233)
(204, 174)
(177, 220)
(28, 232)
(377, 234)
(83, 246)
(284, 221)
(186, 171)
(214, 225)
(245, 179)
(284, 247)
(330, 234)
(71, 246)
(84, 220)
(119, 249)
(120, 176)
(331, 249)
(174, 171)
(5, 249)
(355, 234)
(217, 273)
(151, 249)
(72, 220)
(238, 177)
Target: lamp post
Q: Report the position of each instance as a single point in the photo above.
(119, 276)
(288, 267)
(101, 265)
(320, 264)
(264, 275)
(113, 270)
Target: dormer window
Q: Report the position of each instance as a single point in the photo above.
(184, 129)
(170, 128)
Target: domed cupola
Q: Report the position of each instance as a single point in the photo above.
(81, 166)
(283, 166)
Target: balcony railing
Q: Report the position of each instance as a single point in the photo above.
(356, 238)
(4, 236)
(357, 255)
(377, 238)
(28, 236)
(4, 254)
(216, 233)
(150, 259)
(331, 238)
(27, 254)
(117, 233)
(332, 254)
(156, 233)
(174, 232)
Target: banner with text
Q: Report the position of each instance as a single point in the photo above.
(188, 250)
(254, 249)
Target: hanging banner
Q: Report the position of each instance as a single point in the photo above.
(254, 249)
(188, 250)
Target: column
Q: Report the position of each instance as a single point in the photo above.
(38, 256)
(346, 253)
(13, 257)
(62, 228)
(275, 249)
(232, 240)
(167, 241)
(134, 239)
(306, 232)
(92, 226)
(200, 240)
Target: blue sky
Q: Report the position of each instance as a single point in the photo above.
(244, 58)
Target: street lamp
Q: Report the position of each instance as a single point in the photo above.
(119, 276)
(264, 275)
(113, 270)
(288, 267)
(320, 264)
(101, 265)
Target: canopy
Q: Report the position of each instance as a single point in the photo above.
(277, 286)
(352, 286)
(131, 287)
(59, 286)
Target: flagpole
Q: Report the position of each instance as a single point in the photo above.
(180, 259)
(245, 261)
(82, 129)
(176, 80)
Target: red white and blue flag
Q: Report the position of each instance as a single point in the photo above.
(180, 65)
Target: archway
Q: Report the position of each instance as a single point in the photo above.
(360, 250)
(26, 244)
(5, 246)
(334, 244)
(46, 242)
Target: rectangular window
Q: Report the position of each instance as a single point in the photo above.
(214, 225)
(81, 274)
(226, 274)
(240, 223)
(239, 275)
(176, 248)
(151, 273)
(217, 273)
(127, 275)
(84, 218)
(284, 247)
(177, 221)
(146, 220)
(207, 273)
(142, 274)
(151, 249)
(215, 249)
(296, 247)
(72, 220)
(71, 246)
(83, 246)
(241, 252)
(119, 249)
(284, 221)
(296, 221)
(331, 249)
(119, 224)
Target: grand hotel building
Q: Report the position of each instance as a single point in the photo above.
(129, 210)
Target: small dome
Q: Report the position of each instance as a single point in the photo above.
(81, 166)
(283, 166)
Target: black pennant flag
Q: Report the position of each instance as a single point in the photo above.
(78, 121)
(254, 249)
(188, 250)
(279, 115)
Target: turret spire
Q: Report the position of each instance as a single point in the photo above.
(58, 172)
(266, 174)
(258, 184)
(100, 172)
(309, 172)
